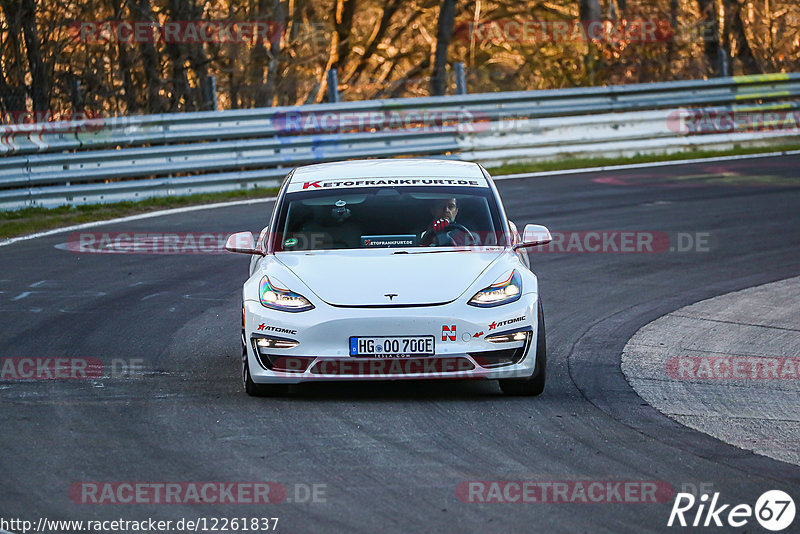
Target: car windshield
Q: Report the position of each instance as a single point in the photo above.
(389, 217)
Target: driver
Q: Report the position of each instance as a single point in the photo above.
(444, 213)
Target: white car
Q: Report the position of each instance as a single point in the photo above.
(391, 269)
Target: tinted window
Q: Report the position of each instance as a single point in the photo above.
(395, 217)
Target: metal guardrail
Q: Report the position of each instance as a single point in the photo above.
(128, 158)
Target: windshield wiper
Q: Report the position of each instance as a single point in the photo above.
(427, 251)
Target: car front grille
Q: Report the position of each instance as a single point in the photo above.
(499, 358)
(391, 366)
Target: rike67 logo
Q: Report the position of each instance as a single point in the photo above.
(774, 510)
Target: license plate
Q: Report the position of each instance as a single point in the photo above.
(392, 347)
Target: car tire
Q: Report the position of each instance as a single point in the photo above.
(533, 385)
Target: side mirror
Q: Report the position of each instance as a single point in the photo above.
(242, 242)
(534, 235)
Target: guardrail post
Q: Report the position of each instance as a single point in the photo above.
(76, 93)
(461, 79)
(722, 56)
(333, 86)
(210, 93)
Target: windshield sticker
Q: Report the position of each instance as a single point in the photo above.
(372, 241)
(365, 182)
(290, 242)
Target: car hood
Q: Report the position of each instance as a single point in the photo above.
(366, 277)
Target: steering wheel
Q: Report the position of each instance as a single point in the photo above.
(440, 236)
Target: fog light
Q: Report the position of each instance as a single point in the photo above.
(264, 343)
(510, 337)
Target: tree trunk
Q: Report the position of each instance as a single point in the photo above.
(589, 10)
(40, 87)
(343, 11)
(742, 50)
(6, 96)
(197, 57)
(673, 23)
(150, 60)
(344, 27)
(274, 55)
(711, 45)
(12, 70)
(444, 31)
(126, 67)
(183, 99)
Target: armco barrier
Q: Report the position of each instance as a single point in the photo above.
(129, 158)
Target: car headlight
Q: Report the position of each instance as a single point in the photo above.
(277, 298)
(508, 289)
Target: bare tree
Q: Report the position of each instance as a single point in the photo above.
(341, 43)
(379, 48)
(182, 96)
(589, 10)
(711, 43)
(21, 18)
(444, 31)
(125, 65)
(151, 61)
(277, 28)
(740, 46)
(375, 39)
(40, 86)
(12, 68)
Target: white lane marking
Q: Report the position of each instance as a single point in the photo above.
(198, 296)
(37, 284)
(148, 215)
(154, 295)
(83, 294)
(644, 165)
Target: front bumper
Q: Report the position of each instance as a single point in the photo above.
(314, 345)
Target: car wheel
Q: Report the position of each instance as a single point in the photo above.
(533, 385)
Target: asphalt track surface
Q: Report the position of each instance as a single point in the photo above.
(390, 455)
